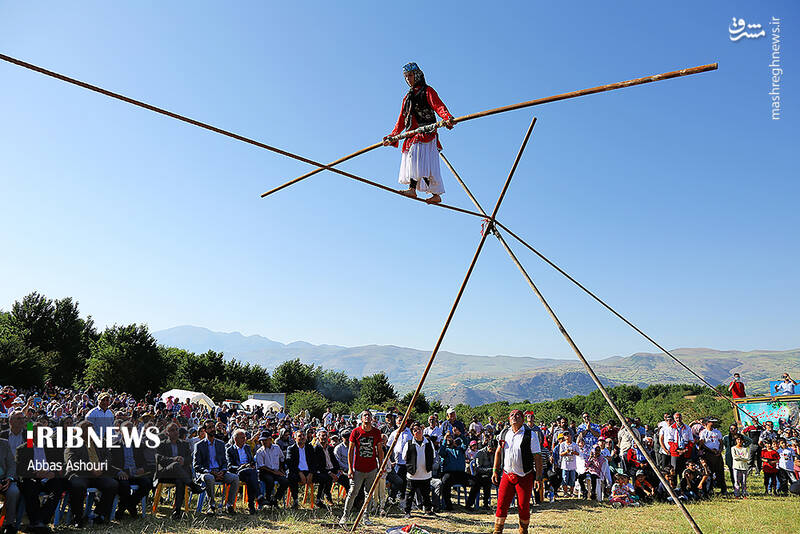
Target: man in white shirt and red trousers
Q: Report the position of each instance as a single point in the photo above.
(419, 165)
(520, 454)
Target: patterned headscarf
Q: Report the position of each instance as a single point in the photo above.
(419, 84)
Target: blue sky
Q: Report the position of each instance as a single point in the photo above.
(676, 201)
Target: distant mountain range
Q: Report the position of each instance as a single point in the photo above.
(476, 380)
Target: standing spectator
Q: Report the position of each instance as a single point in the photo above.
(364, 455)
(662, 447)
(211, 467)
(418, 455)
(736, 387)
(770, 458)
(300, 464)
(626, 441)
(740, 454)
(476, 426)
(241, 461)
(681, 442)
(590, 431)
(520, 454)
(611, 430)
(398, 460)
(711, 447)
(785, 466)
(568, 452)
(101, 416)
(453, 425)
(434, 429)
(787, 386)
(269, 458)
(327, 417)
(729, 442)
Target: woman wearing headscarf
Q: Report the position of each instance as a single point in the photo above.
(419, 164)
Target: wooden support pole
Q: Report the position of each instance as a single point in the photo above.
(442, 334)
(588, 367)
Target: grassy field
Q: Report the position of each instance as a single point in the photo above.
(758, 514)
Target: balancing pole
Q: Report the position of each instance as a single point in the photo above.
(211, 128)
(432, 127)
(443, 332)
(583, 360)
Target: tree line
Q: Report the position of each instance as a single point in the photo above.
(47, 340)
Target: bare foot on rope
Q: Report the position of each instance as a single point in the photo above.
(434, 199)
(410, 193)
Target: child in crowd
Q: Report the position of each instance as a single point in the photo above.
(568, 451)
(706, 486)
(785, 466)
(690, 482)
(644, 490)
(741, 466)
(769, 465)
(595, 468)
(622, 492)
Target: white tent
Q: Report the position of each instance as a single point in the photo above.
(252, 404)
(193, 396)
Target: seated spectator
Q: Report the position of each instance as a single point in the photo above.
(453, 453)
(596, 467)
(8, 486)
(300, 465)
(33, 482)
(129, 463)
(269, 458)
(104, 480)
(691, 482)
(174, 466)
(242, 462)
(326, 467)
(483, 464)
(622, 492)
(644, 490)
(211, 467)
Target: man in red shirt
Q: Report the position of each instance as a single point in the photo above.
(364, 455)
(736, 387)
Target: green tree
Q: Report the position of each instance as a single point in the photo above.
(376, 390)
(127, 358)
(313, 401)
(421, 406)
(292, 375)
(337, 386)
(19, 364)
(57, 330)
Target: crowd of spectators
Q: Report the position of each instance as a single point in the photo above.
(281, 458)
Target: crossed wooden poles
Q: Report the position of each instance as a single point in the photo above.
(492, 228)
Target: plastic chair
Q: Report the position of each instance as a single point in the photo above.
(166, 485)
(309, 489)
